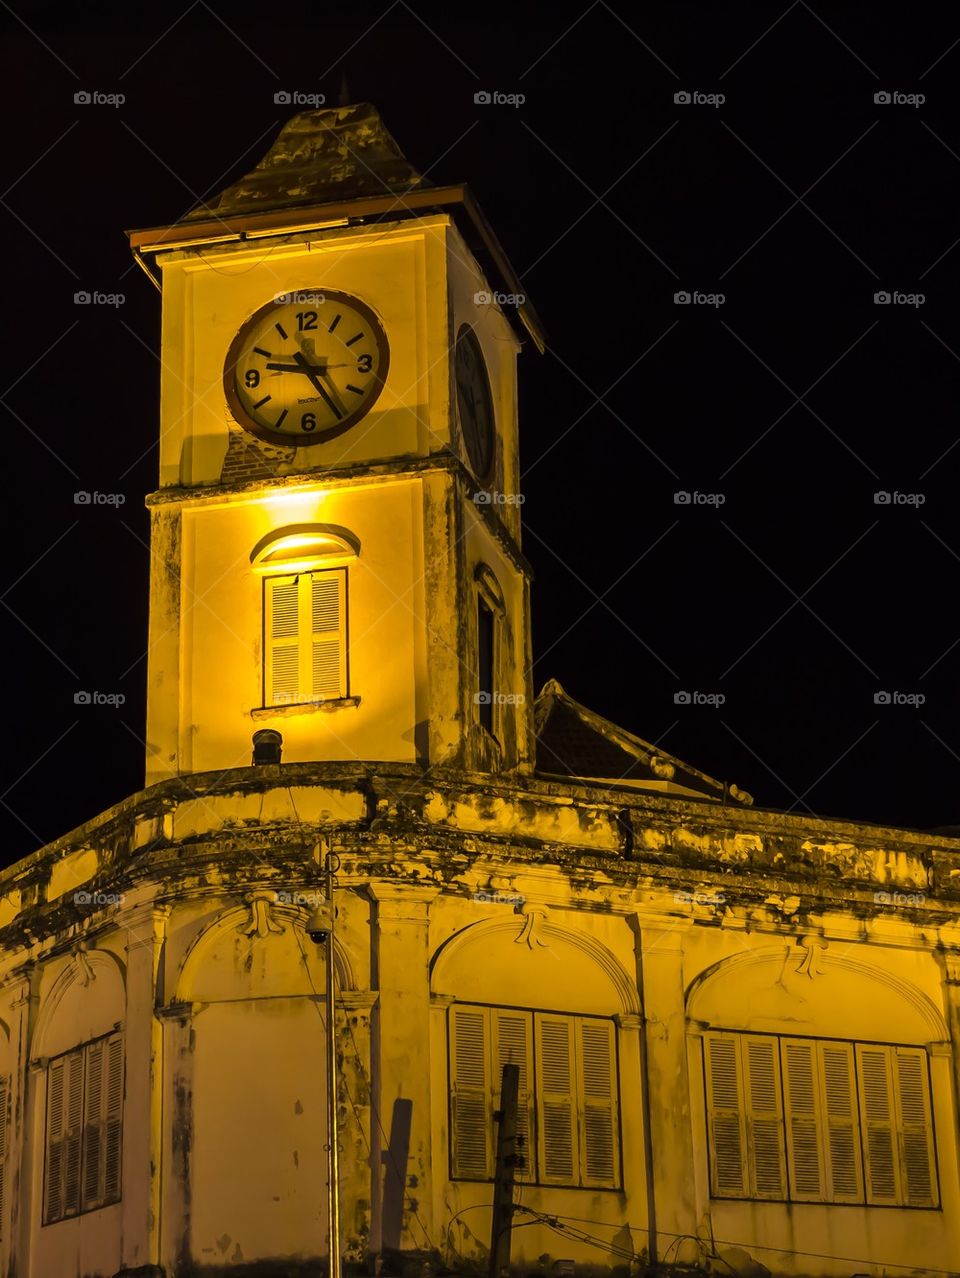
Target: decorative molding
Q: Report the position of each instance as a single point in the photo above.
(810, 964)
(558, 938)
(534, 917)
(261, 921)
(629, 1020)
(83, 972)
(726, 969)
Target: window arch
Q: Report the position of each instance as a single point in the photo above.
(305, 609)
(816, 1077)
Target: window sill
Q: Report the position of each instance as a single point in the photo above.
(303, 707)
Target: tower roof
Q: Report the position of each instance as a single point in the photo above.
(339, 153)
(332, 167)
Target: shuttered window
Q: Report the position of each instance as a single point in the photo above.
(4, 1143)
(568, 1100)
(305, 637)
(84, 1129)
(816, 1120)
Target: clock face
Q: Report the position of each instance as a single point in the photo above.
(306, 367)
(474, 402)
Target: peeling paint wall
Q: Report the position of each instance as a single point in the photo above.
(187, 930)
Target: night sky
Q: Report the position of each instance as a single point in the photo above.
(797, 597)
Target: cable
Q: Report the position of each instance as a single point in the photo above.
(729, 1242)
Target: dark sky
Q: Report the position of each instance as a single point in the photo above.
(797, 198)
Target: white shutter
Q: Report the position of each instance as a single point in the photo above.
(113, 1120)
(556, 1100)
(56, 1084)
(599, 1137)
(804, 1133)
(4, 1120)
(725, 1117)
(878, 1125)
(513, 1046)
(328, 656)
(471, 1117)
(282, 641)
(93, 1128)
(915, 1127)
(761, 1073)
(843, 1171)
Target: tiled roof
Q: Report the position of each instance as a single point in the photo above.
(338, 153)
(573, 741)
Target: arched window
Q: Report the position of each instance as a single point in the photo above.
(817, 1081)
(305, 593)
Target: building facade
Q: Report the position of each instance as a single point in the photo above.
(736, 1029)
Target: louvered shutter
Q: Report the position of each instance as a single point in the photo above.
(4, 1120)
(761, 1072)
(915, 1127)
(513, 1046)
(557, 1110)
(804, 1131)
(471, 1116)
(113, 1125)
(327, 635)
(878, 1125)
(93, 1128)
(599, 1138)
(282, 641)
(56, 1087)
(725, 1116)
(843, 1171)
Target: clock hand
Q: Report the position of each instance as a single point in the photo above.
(333, 390)
(295, 368)
(307, 368)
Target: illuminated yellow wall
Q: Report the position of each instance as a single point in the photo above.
(411, 589)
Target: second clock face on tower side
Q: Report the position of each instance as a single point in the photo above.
(474, 402)
(306, 367)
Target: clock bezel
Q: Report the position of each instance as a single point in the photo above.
(287, 439)
(468, 334)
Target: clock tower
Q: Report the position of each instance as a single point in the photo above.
(336, 530)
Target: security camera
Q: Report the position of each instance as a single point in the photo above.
(320, 923)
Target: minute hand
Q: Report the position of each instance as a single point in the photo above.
(306, 367)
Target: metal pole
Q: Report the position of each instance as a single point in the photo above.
(333, 1134)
